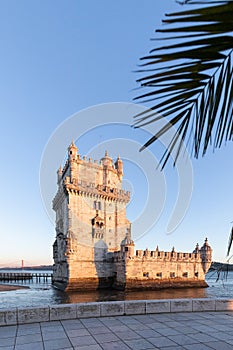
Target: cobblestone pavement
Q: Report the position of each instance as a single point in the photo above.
(191, 331)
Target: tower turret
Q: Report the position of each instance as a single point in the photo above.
(72, 156)
(72, 151)
(196, 250)
(206, 255)
(108, 167)
(119, 167)
(127, 245)
(106, 160)
(59, 175)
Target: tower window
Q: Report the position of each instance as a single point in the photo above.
(97, 205)
(145, 274)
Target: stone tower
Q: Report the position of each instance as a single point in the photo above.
(91, 222)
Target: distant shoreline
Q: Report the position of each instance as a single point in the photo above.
(7, 287)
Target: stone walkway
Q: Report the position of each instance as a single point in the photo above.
(192, 331)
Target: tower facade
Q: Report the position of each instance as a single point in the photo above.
(91, 222)
(94, 247)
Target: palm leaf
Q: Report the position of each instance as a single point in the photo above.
(189, 79)
(230, 242)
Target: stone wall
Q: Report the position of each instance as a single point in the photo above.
(29, 315)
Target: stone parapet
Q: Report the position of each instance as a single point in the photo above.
(101, 309)
(166, 256)
(101, 191)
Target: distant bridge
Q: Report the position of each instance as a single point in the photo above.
(25, 276)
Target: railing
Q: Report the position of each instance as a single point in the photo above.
(24, 276)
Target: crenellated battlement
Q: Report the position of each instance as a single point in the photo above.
(156, 255)
(100, 191)
(162, 255)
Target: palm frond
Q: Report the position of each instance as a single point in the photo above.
(230, 242)
(188, 79)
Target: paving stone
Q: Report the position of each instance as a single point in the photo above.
(148, 333)
(186, 330)
(111, 322)
(127, 320)
(36, 346)
(168, 331)
(77, 332)
(222, 335)
(119, 345)
(183, 339)
(54, 335)
(8, 332)
(138, 326)
(157, 325)
(138, 344)
(28, 329)
(56, 344)
(7, 342)
(88, 347)
(50, 324)
(161, 342)
(119, 328)
(128, 335)
(72, 324)
(105, 338)
(201, 337)
(229, 341)
(99, 330)
(28, 339)
(145, 319)
(57, 329)
(199, 346)
(219, 345)
(84, 340)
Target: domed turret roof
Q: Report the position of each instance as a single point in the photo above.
(206, 245)
(127, 241)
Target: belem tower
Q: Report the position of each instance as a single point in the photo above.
(93, 246)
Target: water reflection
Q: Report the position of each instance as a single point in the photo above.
(114, 295)
(44, 294)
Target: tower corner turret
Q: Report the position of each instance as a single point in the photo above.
(206, 256)
(119, 167)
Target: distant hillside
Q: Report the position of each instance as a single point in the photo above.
(220, 266)
(40, 267)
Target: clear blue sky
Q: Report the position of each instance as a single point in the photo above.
(57, 58)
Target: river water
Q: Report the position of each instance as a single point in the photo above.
(42, 293)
